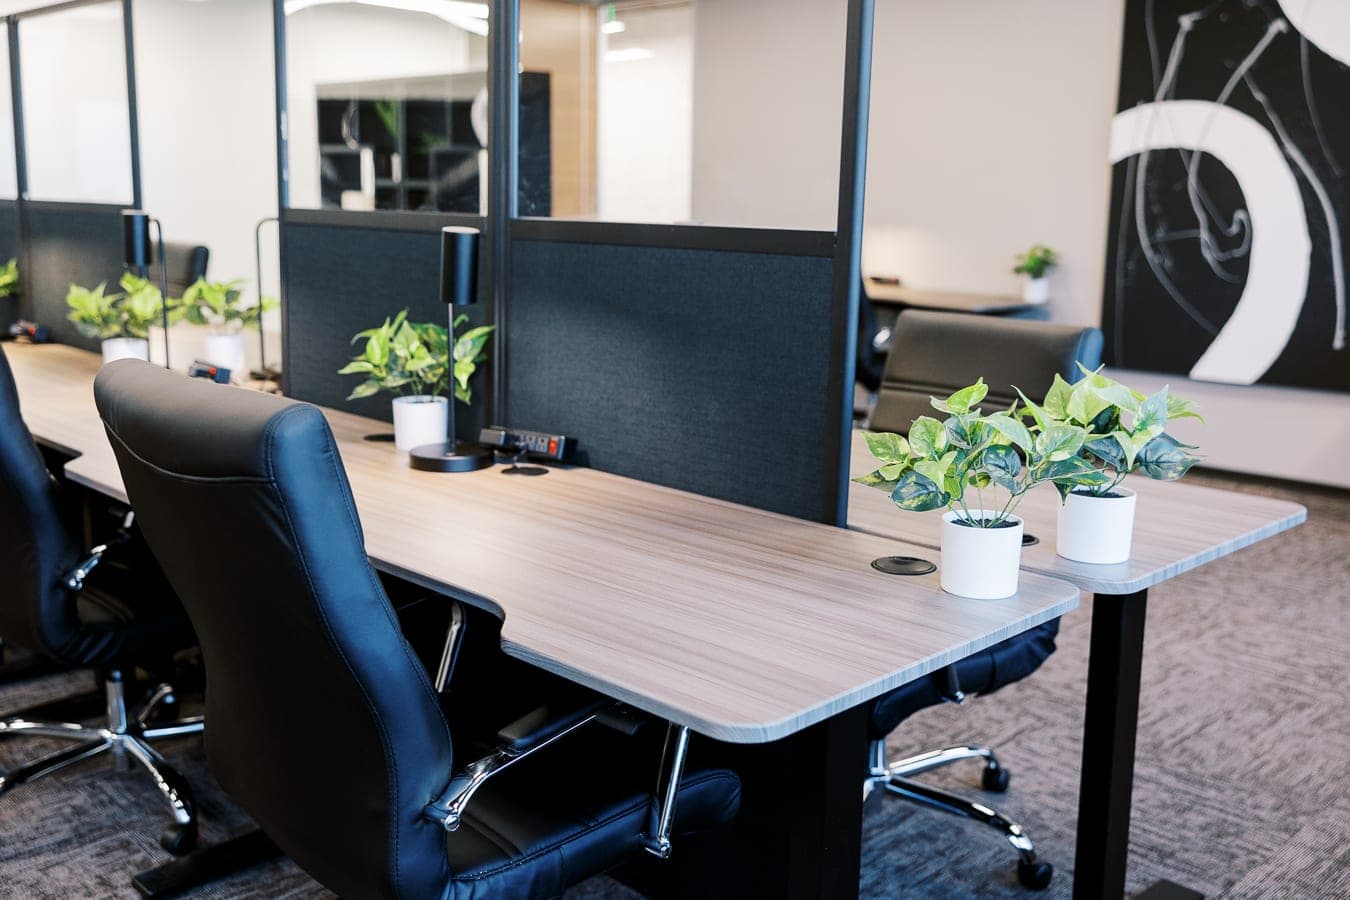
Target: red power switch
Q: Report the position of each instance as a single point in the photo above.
(552, 446)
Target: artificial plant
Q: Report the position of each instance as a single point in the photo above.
(1125, 429)
(942, 461)
(218, 304)
(1036, 262)
(403, 357)
(9, 278)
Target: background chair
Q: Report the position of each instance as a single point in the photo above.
(934, 354)
(84, 610)
(324, 725)
(184, 264)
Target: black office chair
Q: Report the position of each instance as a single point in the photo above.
(324, 725)
(183, 265)
(935, 354)
(84, 610)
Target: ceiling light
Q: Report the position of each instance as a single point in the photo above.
(614, 27)
(630, 54)
(470, 17)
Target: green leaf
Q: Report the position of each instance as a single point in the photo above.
(1130, 445)
(356, 367)
(364, 389)
(927, 437)
(1038, 414)
(936, 469)
(918, 493)
(962, 401)
(1085, 402)
(886, 446)
(878, 480)
(964, 431)
(1109, 450)
(1180, 408)
(1013, 430)
(1056, 403)
(1059, 442)
(1152, 417)
(1003, 466)
(1166, 459)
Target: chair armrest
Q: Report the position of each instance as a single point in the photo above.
(527, 735)
(548, 722)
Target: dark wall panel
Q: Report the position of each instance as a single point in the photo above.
(338, 280)
(69, 245)
(702, 370)
(9, 249)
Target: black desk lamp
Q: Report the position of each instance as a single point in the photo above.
(459, 287)
(264, 373)
(138, 254)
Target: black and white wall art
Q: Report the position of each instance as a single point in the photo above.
(1226, 259)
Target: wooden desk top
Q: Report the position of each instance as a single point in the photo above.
(744, 625)
(951, 301)
(1178, 526)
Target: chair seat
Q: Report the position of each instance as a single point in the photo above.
(566, 814)
(980, 673)
(125, 618)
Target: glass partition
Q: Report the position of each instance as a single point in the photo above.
(710, 112)
(9, 179)
(387, 105)
(77, 122)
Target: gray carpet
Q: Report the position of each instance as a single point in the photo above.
(1242, 790)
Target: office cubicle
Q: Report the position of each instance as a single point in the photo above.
(682, 337)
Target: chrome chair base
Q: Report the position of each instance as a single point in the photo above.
(128, 738)
(897, 778)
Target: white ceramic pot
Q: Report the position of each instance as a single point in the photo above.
(125, 348)
(226, 350)
(1036, 290)
(980, 563)
(1094, 529)
(420, 419)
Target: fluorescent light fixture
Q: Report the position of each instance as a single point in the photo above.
(613, 27)
(631, 54)
(471, 17)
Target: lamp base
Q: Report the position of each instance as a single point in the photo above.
(449, 456)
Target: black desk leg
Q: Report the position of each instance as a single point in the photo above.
(1108, 745)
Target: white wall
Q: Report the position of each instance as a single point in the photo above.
(768, 105)
(205, 94)
(644, 122)
(326, 44)
(989, 131)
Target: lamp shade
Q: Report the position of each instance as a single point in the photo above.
(459, 265)
(137, 250)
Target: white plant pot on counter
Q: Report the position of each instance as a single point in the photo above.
(1094, 529)
(226, 349)
(420, 419)
(1036, 290)
(125, 348)
(980, 563)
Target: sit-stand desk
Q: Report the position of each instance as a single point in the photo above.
(1178, 527)
(745, 626)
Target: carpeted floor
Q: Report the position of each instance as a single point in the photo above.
(1242, 788)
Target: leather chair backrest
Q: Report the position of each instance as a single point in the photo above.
(934, 354)
(321, 722)
(184, 264)
(37, 548)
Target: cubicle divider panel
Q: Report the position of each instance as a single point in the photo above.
(698, 368)
(69, 243)
(340, 277)
(10, 248)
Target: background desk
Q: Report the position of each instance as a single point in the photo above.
(744, 625)
(1178, 527)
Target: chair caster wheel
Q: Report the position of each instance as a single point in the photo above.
(1035, 875)
(179, 839)
(995, 779)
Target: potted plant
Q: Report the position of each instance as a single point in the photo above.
(411, 360)
(9, 278)
(121, 321)
(216, 306)
(992, 460)
(1126, 433)
(1036, 264)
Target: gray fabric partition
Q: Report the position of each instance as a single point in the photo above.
(69, 243)
(704, 370)
(9, 249)
(338, 279)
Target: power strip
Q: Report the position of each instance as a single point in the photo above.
(535, 444)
